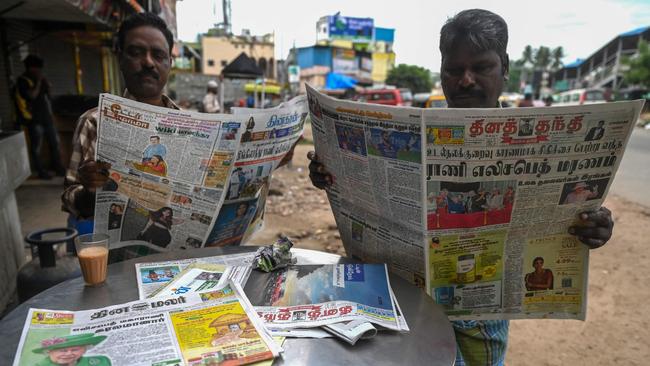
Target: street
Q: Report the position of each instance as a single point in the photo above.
(634, 172)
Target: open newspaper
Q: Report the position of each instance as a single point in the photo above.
(269, 135)
(192, 329)
(172, 170)
(473, 204)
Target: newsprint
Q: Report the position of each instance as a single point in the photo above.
(191, 329)
(182, 179)
(473, 204)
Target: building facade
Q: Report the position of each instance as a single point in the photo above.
(353, 47)
(603, 69)
(219, 50)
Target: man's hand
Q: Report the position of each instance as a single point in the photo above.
(93, 174)
(595, 227)
(319, 176)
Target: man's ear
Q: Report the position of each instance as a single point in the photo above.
(505, 67)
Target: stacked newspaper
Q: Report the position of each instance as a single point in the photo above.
(190, 329)
(350, 301)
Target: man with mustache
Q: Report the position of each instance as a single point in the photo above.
(473, 72)
(144, 45)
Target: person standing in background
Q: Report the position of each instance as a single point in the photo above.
(211, 98)
(34, 112)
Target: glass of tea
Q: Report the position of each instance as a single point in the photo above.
(92, 251)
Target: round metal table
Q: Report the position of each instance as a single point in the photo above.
(431, 339)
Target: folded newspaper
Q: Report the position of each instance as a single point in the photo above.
(191, 329)
(182, 179)
(474, 205)
(153, 276)
(344, 299)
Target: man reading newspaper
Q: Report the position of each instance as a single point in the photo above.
(473, 72)
(144, 45)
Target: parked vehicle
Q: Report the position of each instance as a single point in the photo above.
(398, 97)
(420, 99)
(579, 96)
(436, 101)
(407, 96)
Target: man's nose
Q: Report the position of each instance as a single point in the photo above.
(467, 79)
(147, 60)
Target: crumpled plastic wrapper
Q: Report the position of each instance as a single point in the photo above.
(274, 256)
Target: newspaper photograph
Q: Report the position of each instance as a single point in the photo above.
(152, 276)
(496, 189)
(305, 296)
(268, 135)
(169, 170)
(192, 329)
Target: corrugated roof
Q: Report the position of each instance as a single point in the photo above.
(575, 63)
(634, 32)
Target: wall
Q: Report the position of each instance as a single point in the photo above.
(222, 50)
(314, 56)
(382, 63)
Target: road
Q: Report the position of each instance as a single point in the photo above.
(632, 181)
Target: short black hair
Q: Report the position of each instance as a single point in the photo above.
(538, 259)
(481, 29)
(140, 20)
(33, 61)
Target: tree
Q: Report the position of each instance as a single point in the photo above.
(557, 55)
(638, 72)
(416, 78)
(527, 55)
(543, 58)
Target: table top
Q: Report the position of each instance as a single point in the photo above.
(431, 339)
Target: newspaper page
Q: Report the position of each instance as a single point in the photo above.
(374, 152)
(498, 189)
(169, 170)
(197, 277)
(268, 134)
(304, 296)
(502, 188)
(193, 329)
(152, 276)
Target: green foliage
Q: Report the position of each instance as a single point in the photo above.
(638, 72)
(416, 78)
(557, 55)
(542, 58)
(513, 83)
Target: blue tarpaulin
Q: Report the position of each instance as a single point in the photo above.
(339, 81)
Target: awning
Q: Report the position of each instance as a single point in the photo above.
(339, 81)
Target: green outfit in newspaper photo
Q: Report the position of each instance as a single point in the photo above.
(70, 350)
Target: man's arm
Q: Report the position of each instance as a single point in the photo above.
(84, 175)
(26, 91)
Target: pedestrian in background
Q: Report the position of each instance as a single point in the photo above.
(34, 113)
(211, 98)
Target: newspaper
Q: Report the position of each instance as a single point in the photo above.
(192, 329)
(172, 170)
(269, 134)
(306, 296)
(152, 276)
(473, 204)
(197, 277)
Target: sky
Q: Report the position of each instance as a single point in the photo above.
(580, 26)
